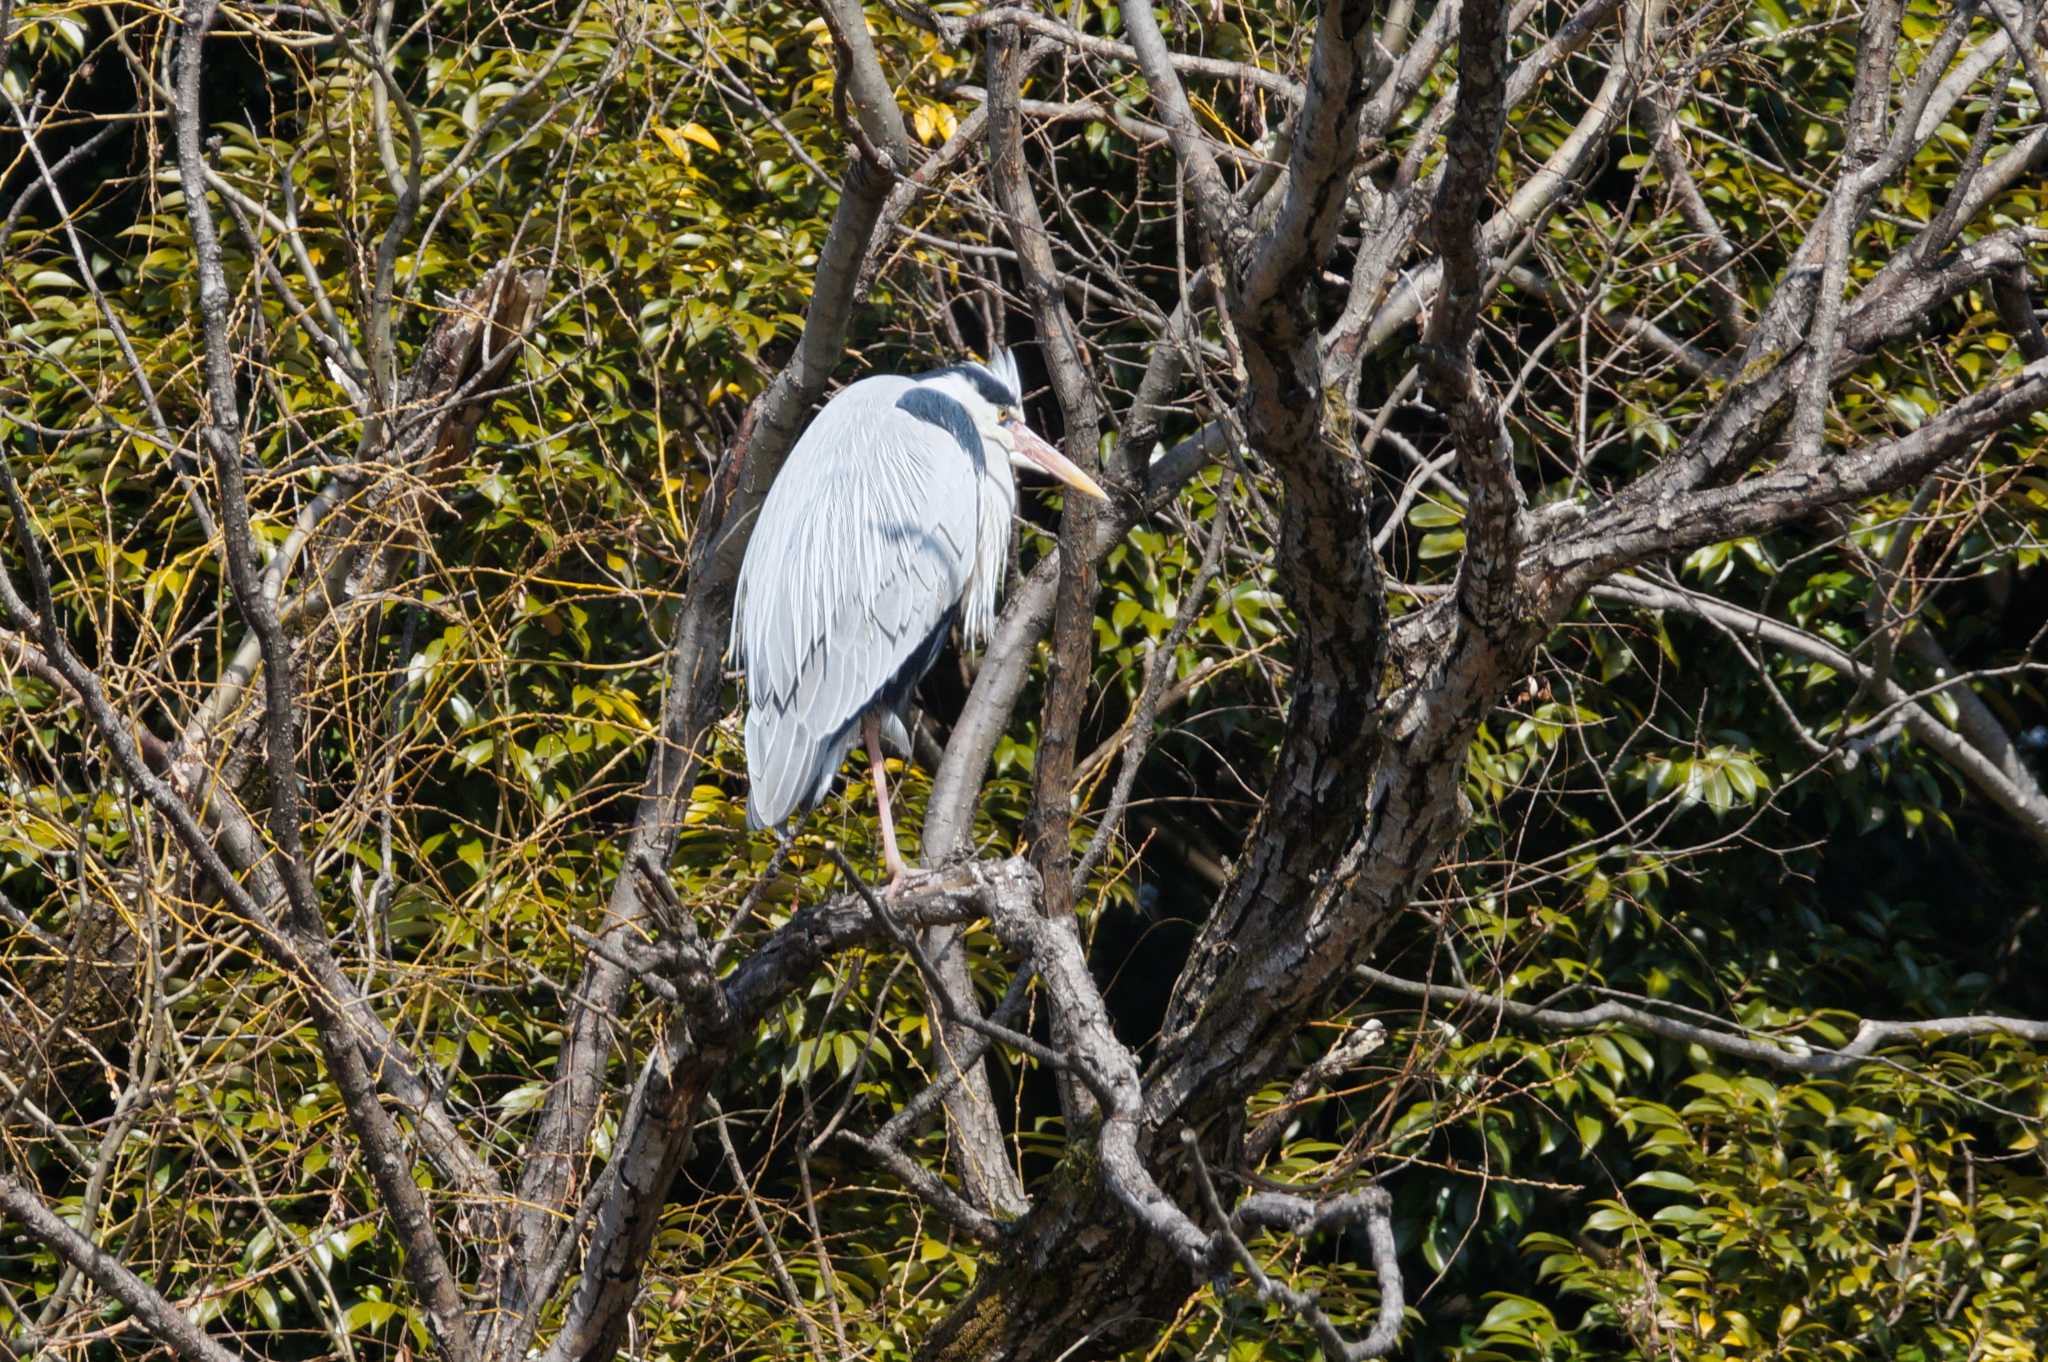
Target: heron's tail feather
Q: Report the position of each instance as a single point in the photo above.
(895, 736)
(776, 770)
(789, 769)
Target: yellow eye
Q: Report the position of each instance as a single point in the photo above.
(1004, 413)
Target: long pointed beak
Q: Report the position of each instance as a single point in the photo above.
(1052, 461)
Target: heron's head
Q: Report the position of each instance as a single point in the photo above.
(994, 397)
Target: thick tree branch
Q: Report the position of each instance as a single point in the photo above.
(1891, 307)
(1493, 523)
(1631, 528)
(1331, 577)
(1865, 170)
(1290, 248)
(1070, 663)
(1776, 364)
(1053, 947)
(656, 1129)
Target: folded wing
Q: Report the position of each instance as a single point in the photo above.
(852, 580)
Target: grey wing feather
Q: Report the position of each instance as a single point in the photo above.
(864, 546)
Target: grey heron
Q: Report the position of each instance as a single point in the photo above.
(888, 525)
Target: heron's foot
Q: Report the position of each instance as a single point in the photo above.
(902, 879)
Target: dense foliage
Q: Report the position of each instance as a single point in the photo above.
(1671, 809)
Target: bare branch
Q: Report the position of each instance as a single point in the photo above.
(1070, 662)
(929, 1188)
(1788, 1053)
(1006, 662)
(1866, 170)
(693, 702)
(1215, 208)
(1345, 1054)
(165, 1321)
(1987, 762)
(300, 953)
(656, 1129)
(1213, 68)
(783, 1281)
(1275, 1210)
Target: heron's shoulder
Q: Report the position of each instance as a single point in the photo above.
(890, 416)
(878, 390)
(842, 428)
(881, 407)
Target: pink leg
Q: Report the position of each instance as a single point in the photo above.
(892, 860)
